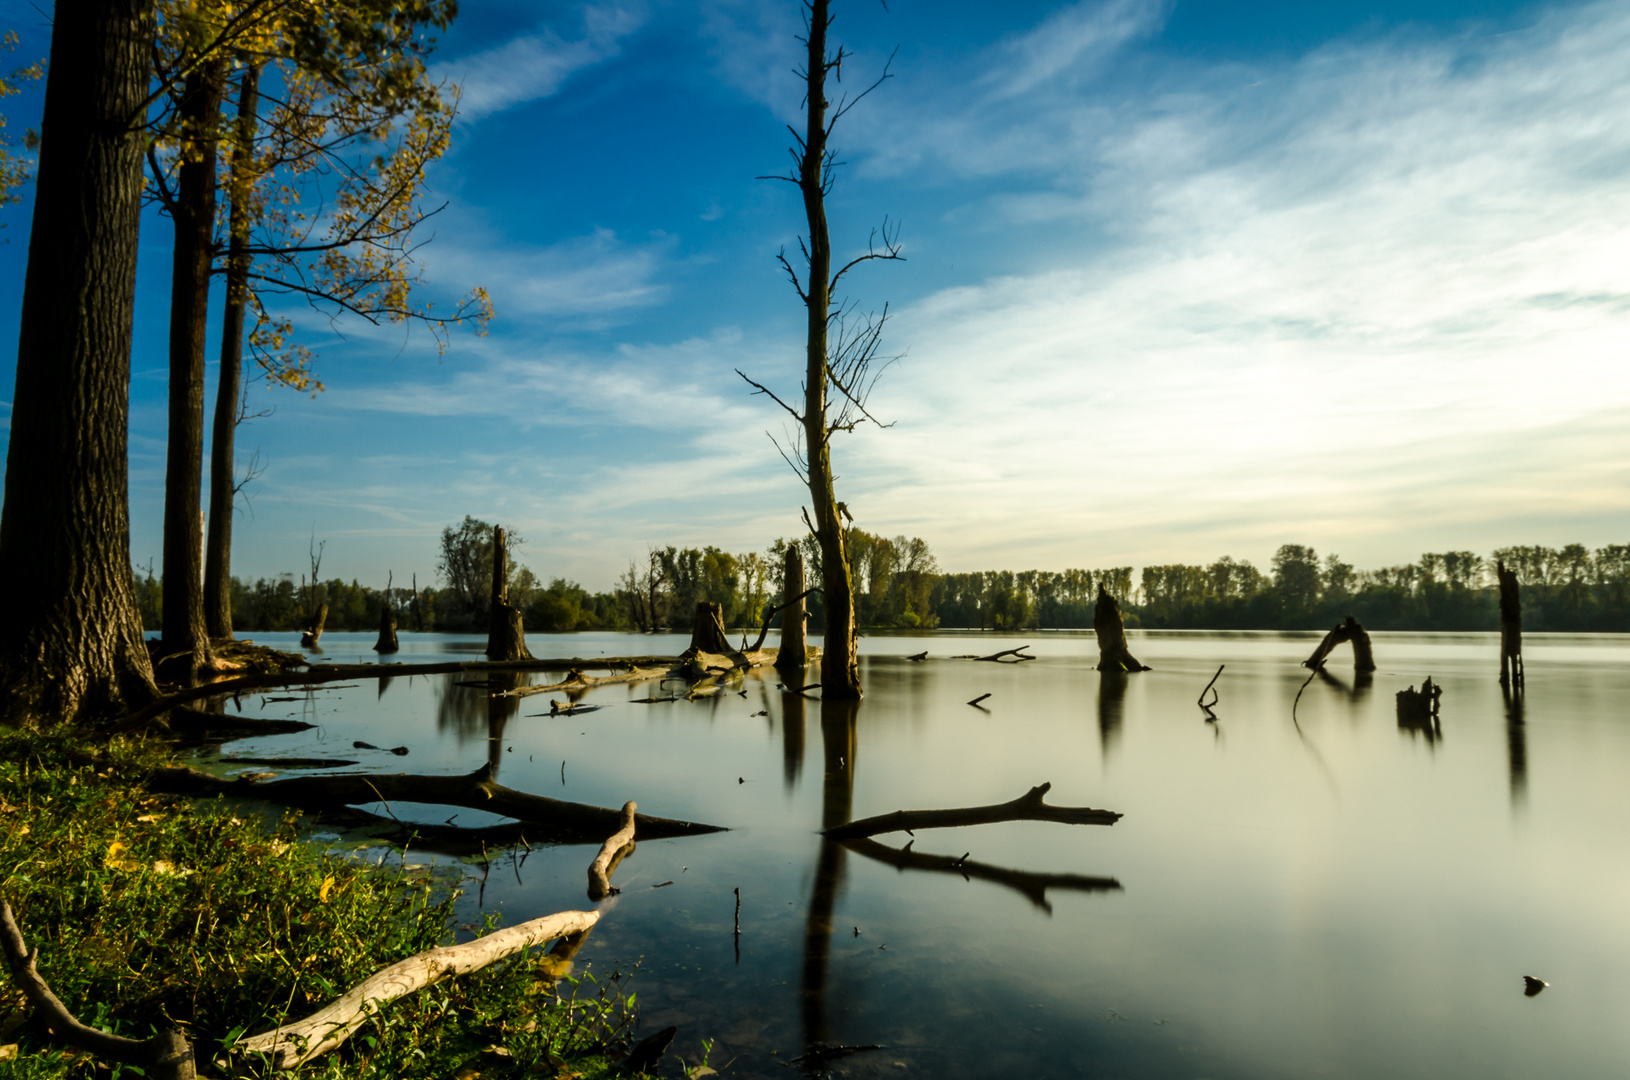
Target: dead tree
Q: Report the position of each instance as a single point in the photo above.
(840, 347)
(617, 847)
(794, 643)
(1027, 807)
(707, 633)
(314, 627)
(1346, 630)
(506, 640)
(1113, 654)
(1511, 672)
(387, 642)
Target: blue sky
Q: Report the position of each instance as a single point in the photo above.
(1184, 279)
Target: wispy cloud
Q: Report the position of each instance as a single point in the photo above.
(1078, 38)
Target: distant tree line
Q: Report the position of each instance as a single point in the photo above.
(898, 584)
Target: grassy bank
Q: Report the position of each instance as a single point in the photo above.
(154, 911)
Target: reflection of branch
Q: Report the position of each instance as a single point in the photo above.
(1033, 886)
(1027, 807)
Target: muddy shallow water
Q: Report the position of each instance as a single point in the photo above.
(1334, 896)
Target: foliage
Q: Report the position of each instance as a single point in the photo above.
(15, 169)
(151, 911)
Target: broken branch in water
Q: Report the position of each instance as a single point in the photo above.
(918, 658)
(1033, 886)
(1215, 697)
(618, 846)
(1019, 656)
(1027, 807)
(1346, 630)
(975, 702)
(771, 613)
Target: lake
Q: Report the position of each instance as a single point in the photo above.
(1329, 896)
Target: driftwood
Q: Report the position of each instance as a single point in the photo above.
(1019, 656)
(314, 629)
(1511, 672)
(1113, 654)
(918, 658)
(1346, 630)
(165, 1056)
(474, 791)
(793, 657)
(506, 640)
(576, 680)
(1215, 696)
(1027, 807)
(617, 847)
(707, 632)
(291, 1045)
(1033, 886)
(288, 762)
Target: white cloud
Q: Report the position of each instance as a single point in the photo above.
(1079, 38)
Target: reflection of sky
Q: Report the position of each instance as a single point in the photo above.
(1185, 279)
(1359, 904)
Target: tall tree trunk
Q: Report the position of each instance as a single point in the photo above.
(506, 639)
(222, 478)
(186, 640)
(840, 671)
(71, 642)
(794, 648)
(1511, 672)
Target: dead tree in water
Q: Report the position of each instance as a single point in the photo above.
(1113, 654)
(506, 640)
(1418, 710)
(314, 627)
(1346, 630)
(387, 622)
(794, 644)
(707, 633)
(1511, 672)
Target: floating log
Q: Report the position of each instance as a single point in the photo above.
(168, 1055)
(1511, 671)
(1113, 654)
(474, 791)
(617, 847)
(1032, 885)
(793, 657)
(291, 1045)
(314, 628)
(1027, 807)
(1346, 630)
(506, 640)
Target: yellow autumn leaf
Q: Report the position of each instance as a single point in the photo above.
(322, 893)
(114, 859)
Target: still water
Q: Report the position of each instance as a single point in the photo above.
(1329, 897)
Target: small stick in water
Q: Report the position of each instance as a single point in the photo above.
(738, 911)
(978, 699)
(1215, 696)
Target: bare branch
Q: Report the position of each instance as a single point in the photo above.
(760, 388)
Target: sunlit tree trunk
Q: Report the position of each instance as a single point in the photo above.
(71, 642)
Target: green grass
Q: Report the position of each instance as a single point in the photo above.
(152, 911)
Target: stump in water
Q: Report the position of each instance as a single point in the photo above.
(314, 629)
(707, 635)
(387, 631)
(506, 640)
(1346, 630)
(1113, 655)
(1418, 709)
(793, 641)
(1511, 673)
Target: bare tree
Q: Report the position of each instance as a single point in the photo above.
(841, 365)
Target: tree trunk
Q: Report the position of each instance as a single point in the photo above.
(387, 642)
(1511, 672)
(314, 629)
(222, 471)
(1113, 654)
(1346, 630)
(186, 639)
(794, 645)
(71, 643)
(840, 670)
(506, 640)
(707, 634)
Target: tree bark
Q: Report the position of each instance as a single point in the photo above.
(1113, 654)
(71, 644)
(1346, 630)
(1511, 670)
(840, 668)
(314, 629)
(617, 847)
(1027, 807)
(506, 640)
(707, 633)
(794, 629)
(222, 470)
(186, 638)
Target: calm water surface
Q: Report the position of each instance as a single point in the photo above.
(1335, 897)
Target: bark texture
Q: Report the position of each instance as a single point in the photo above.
(71, 642)
(186, 638)
(794, 618)
(1511, 672)
(222, 469)
(1113, 654)
(617, 847)
(707, 633)
(506, 639)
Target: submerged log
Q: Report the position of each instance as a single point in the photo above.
(1027, 807)
(292, 1045)
(474, 791)
(1511, 672)
(617, 847)
(792, 658)
(707, 633)
(1346, 630)
(1113, 654)
(201, 726)
(1033, 886)
(506, 640)
(314, 628)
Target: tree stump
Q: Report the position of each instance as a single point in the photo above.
(1418, 709)
(387, 642)
(1511, 673)
(794, 643)
(1346, 630)
(1113, 654)
(506, 639)
(707, 634)
(314, 629)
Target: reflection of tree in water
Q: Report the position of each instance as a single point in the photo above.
(472, 710)
(792, 737)
(1516, 737)
(839, 740)
(1111, 708)
(1358, 692)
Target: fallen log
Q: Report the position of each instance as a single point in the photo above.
(1027, 807)
(918, 658)
(474, 791)
(1019, 656)
(220, 727)
(1346, 630)
(618, 846)
(576, 680)
(1032, 885)
(291, 1045)
(167, 1054)
(1113, 654)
